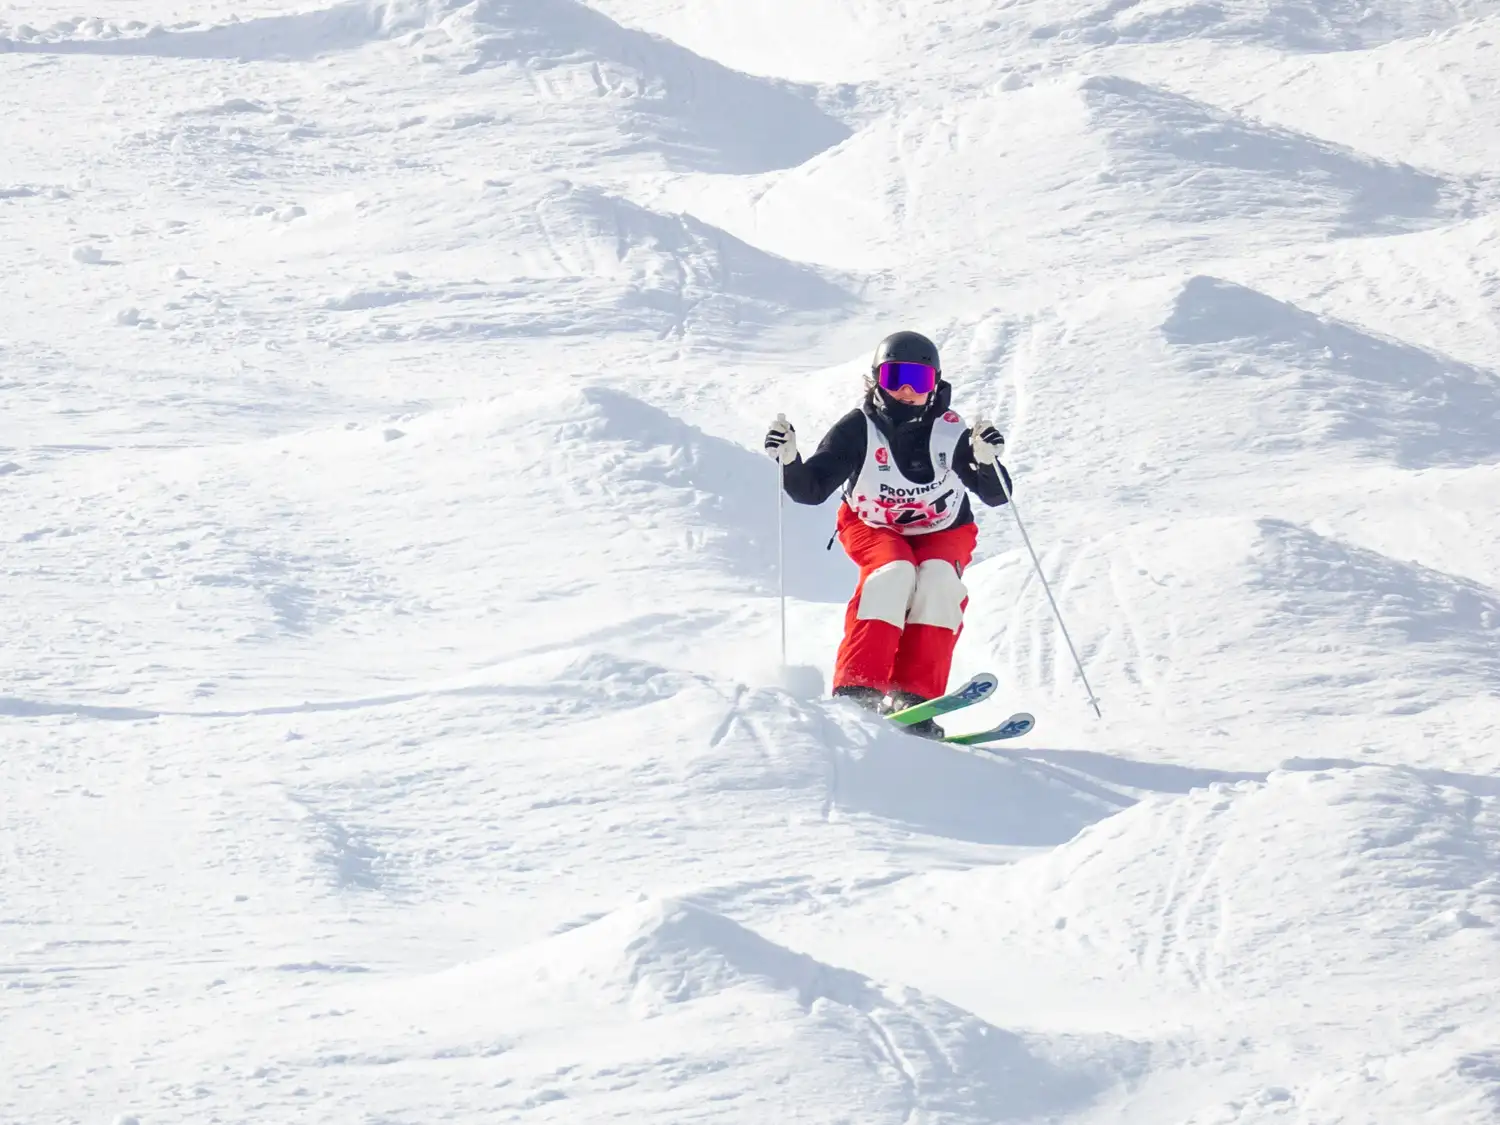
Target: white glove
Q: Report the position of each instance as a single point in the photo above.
(987, 442)
(781, 441)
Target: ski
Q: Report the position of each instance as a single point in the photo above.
(1014, 727)
(977, 690)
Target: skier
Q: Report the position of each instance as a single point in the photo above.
(906, 463)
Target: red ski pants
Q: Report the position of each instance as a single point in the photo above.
(907, 611)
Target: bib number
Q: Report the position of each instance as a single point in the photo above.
(918, 514)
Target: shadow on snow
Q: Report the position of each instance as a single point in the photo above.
(1420, 407)
(699, 114)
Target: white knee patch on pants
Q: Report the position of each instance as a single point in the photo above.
(887, 593)
(939, 596)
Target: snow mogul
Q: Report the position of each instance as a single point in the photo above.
(907, 465)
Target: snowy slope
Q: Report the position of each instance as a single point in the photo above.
(391, 725)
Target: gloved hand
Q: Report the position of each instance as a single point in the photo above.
(781, 441)
(987, 442)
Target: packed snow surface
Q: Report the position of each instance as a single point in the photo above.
(392, 725)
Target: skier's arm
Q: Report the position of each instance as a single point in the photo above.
(984, 481)
(839, 455)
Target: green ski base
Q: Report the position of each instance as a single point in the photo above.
(978, 689)
(1014, 727)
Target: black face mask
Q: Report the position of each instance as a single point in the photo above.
(899, 412)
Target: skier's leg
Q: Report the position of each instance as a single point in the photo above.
(924, 656)
(877, 611)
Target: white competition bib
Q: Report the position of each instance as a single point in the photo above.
(882, 497)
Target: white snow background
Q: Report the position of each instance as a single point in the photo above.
(391, 727)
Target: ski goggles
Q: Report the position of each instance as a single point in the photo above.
(920, 377)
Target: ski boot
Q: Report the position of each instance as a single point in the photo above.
(899, 701)
(871, 699)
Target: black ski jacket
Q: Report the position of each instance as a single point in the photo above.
(841, 453)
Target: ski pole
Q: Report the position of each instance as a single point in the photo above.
(1011, 502)
(780, 554)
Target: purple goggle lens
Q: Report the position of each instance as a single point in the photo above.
(918, 376)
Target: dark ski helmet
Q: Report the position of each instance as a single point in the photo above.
(906, 347)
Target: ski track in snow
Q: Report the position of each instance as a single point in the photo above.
(391, 725)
